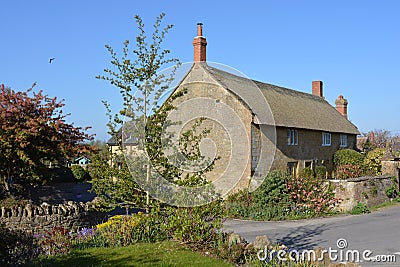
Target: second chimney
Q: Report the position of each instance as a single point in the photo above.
(199, 44)
(341, 105)
(317, 88)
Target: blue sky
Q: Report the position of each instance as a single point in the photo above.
(352, 46)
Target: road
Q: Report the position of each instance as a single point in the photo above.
(378, 232)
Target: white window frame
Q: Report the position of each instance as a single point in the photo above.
(292, 137)
(343, 140)
(326, 139)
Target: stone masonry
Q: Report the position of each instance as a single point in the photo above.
(37, 218)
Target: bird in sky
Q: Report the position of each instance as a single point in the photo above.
(51, 59)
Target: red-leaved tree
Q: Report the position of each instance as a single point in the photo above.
(34, 134)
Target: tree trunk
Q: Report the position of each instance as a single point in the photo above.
(6, 184)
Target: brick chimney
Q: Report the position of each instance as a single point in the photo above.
(317, 88)
(199, 44)
(341, 105)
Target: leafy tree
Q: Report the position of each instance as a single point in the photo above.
(373, 161)
(98, 146)
(80, 173)
(34, 135)
(140, 85)
(137, 78)
(114, 184)
(380, 138)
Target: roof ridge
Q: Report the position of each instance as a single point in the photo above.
(209, 68)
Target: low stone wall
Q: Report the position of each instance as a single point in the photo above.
(367, 190)
(36, 219)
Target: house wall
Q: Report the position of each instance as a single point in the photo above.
(226, 162)
(308, 149)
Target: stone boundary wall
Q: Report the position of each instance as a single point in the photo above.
(367, 190)
(37, 218)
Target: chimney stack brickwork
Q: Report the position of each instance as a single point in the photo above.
(199, 44)
(341, 105)
(317, 88)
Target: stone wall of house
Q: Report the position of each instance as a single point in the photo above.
(37, 218)
(200, 87)
(309, 149)
(367, 190)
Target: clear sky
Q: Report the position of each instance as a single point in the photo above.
(352, 46)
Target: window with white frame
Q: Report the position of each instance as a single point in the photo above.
(343, 140)
(292, 137)
(326, 139)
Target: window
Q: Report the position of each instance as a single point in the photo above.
(326, 139)
(292, 137)
(343, 140)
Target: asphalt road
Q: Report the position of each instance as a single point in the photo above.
(378, 232)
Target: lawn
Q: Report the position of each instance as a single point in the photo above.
(156, 254)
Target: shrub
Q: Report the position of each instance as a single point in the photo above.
(320, 172)
(360, 208)
(17, 248)
(348, 157)
(238, 205)
(270, 201)
(391, 191)
(312, 194)
(372, 162)
(196, 226)
(348, 171)
(307, 173)
(124, 230)
(80, 173)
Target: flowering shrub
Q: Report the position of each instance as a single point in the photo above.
(312, 194)
(122, 230)
(348, 171)
(86, 233)
(56, 241)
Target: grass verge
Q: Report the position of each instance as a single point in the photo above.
(145, 254)
(386, 204)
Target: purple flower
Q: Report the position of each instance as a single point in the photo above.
(39, 236)
(86, 232)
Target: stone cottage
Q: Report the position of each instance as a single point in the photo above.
(276, 127)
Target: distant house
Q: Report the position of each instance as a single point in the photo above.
(129, 141)
(82, 161)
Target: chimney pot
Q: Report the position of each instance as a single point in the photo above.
(317, 88)
(199, 29)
